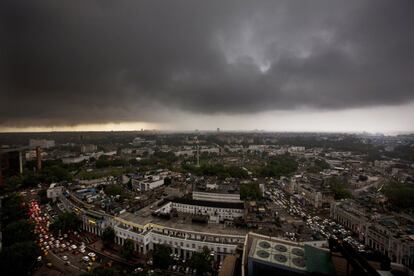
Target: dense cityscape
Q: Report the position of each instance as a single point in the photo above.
(206, 138)
(217, 203)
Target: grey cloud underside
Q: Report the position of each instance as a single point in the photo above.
(69, 62)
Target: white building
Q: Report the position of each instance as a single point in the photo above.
(379, 232)
(148, 183)
(43, 143)
(147, 235)
(54, 191)
(217, 197)
(88, 148)
(222, 210)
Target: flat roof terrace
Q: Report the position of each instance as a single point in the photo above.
(182, 222)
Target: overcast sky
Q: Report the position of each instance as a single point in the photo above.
(274, 65)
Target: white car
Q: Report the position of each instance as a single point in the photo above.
(85, 258)
(91, 254)
(74, 246)
(65, 258)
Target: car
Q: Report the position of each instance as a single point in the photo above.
(91, 254)
(73, 246)
(67, 263)
(49, 265)
(138, 269)
(85, 258)
(65, 258)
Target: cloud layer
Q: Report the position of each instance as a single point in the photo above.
(72, 62)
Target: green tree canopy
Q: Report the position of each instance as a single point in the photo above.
(127, 250)
(161, 256)
(18, 258)
(108, 236)
(18, 231)
(13, 209)
(283, 165)
(66, 221)
(202, 261)
(113, 190)
(339, 188)
(400, 195)
(250, 191)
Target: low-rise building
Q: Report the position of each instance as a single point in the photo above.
(54, 191)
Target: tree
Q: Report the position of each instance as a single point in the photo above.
(127, 250)
(66, 221)
(42, 194)
(161, 256)
(12, 183)
(18, 231)
(12, 209)
(167, 181)
(283, 165)
(55, 173)
(400, 195)
(18, 258)
(250, 191)
(202, 261)
(113, 190)
(108, 236)
(339, 189)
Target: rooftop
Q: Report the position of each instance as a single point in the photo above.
(182, 222)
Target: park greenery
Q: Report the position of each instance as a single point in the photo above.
(29, 179)
(216, 170)
(162, 256)
(339, 188)
(66, 221)
(108, 237)
(158, 160)
(250, 191)
(400, 195)
(202, 261)
(283, 165)
(127, 250)
(318, 166)
(19, 251)
(113, 190)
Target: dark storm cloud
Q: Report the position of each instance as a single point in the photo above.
(70, 62)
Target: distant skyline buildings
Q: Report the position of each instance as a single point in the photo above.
(385, 119)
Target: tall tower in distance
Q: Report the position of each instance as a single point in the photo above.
(198, 151)
(38, 158)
